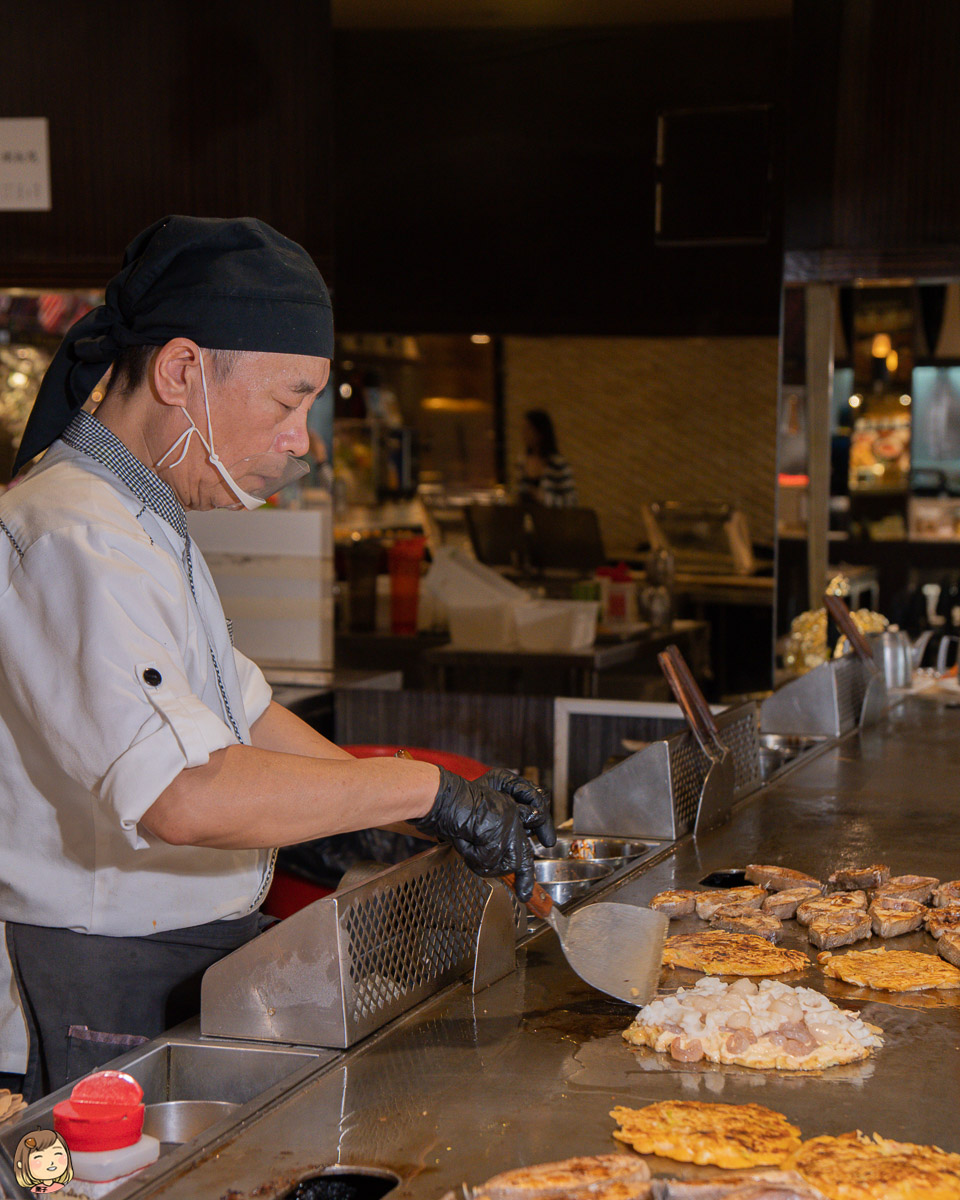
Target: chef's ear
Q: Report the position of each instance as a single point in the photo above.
(175, 372)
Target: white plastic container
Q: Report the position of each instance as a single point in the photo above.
(98, 1166)
(556, 626)
(488, 625)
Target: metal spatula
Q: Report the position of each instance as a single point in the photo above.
(719, 785)
(616, 948)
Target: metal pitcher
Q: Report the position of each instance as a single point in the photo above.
(893, 654)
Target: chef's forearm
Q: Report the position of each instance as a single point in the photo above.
(247, 798)
(279, 729)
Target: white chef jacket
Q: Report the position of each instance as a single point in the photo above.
(116, 672)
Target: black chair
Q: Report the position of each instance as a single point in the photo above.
(566, 538)
(497, 534)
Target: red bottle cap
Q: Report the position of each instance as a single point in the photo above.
(104, 1112)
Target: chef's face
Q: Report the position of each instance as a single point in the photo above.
(47, 1164)
(258, 408)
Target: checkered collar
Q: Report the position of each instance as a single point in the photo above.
(87, 434)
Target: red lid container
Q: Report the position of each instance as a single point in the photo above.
(104, 1112)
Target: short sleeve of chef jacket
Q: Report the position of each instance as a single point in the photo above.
(257, 693)
(85, 606)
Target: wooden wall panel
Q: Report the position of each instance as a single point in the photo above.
(503, 180)
(874, 181)
(216, 109)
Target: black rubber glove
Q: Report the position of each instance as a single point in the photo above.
(486, 826)
(533, 801)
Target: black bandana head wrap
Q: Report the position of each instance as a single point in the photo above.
(226, 284)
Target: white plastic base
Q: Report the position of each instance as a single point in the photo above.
(102, 1165)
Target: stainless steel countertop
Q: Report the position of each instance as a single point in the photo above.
(528, 1070)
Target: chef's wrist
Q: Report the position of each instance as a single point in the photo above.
(424, 791)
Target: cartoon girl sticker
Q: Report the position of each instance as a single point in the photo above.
(42, 1162)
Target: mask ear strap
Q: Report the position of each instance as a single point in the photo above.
(206, 405)
(185, 438)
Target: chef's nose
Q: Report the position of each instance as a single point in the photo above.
(294, 440)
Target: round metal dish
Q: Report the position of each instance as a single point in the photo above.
(584, 848)
(567, 878)
(178, 1121)
(560, 893)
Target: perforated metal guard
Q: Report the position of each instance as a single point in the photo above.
(688, 769)
(740, 732)
(401, 938)
(851, 680)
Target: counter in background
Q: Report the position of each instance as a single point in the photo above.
(616, 669)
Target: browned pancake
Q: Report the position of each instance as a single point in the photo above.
(716, 952)
(855, 1167)
(728, 1135)
(891, 970)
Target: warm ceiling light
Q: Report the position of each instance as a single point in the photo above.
(346, 391)
(480, 339)
(881, 346)
(905, 401)
(855, 400)
(892, 361)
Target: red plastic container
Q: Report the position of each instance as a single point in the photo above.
(404, 558)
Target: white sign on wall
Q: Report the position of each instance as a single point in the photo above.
(24, 164)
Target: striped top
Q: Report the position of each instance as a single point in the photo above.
(554, 489)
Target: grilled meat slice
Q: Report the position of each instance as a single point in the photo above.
(947, 893)
(852, 878)
(755, 1185)
(908, 887)
(778, 879)
(675, 903)
(585, 1175)
(895, 916)
(740, 918)
(948, 947)
(839, 929)
(707, 903)
(940, 921)
(784, 904)
(821, 906)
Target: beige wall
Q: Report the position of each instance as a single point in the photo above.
(653, 419)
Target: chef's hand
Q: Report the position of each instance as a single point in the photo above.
(485, 826)
(534, 803)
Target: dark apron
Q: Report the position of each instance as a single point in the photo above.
(87, 998)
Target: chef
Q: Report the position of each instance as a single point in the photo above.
(145, 772)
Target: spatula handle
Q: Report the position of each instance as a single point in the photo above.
(845, 623)
(695, 707)
(540, 903)
(693, 691)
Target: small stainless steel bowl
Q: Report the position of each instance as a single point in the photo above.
(560, 893)
(587, 848)
(788, 745)
(178, 1121)
(566, 870)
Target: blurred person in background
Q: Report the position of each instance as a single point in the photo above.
(543, 475)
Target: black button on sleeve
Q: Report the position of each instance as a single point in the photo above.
(152, 677)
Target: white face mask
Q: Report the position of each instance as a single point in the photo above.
(274, 470)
